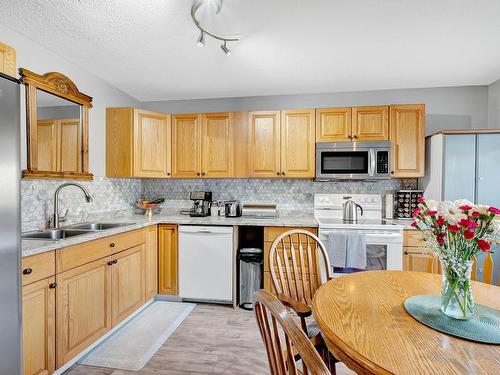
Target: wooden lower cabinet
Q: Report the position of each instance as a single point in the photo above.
(167, 259)
(127, 283)
(38, 319)
(83, 307)
(415, 255)
(151, 259)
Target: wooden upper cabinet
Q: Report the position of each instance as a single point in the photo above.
(83, 308)
(127, 283)
(47, 145)
(297, 143)
(167, 259)
(152, 150)
(217, 145)
(370, 123)
(264, 148)
(333, 125)
(138, 143)
(70, 145)
(39, 324)
(407, 135)
(186, 145)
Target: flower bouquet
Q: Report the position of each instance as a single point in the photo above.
(456, 232)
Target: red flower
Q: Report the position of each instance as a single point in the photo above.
(421, 200)
(483, 245)
(475, 214)
(414, 224)
(453, 228)
(431, 212)
(468, 223)
(440, 240)
(494, 210)
(469, 234)
(465, 207)
(416, 212)
(440, 221)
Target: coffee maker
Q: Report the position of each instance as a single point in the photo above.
(201, 203)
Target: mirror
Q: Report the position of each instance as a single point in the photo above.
(57, 127)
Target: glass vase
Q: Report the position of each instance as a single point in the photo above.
(456, 292)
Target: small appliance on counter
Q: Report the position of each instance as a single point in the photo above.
(201, 203)
(405, 201)
(232, 209)
(259, 211)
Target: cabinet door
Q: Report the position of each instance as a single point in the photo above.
(264, 144)
(488, 180)
(217, 136)
(69, 146)
(414, 260)
(167, 259)
(186, 147)
(152, 154)
(83, 306)
(39, 312)
(151, 262)
(297, 143)
(370, 123)
(333, 125)
(459, 155)
(47, 145)
(128, 283)
(407, 135)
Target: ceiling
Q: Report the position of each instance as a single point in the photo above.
(147, 48)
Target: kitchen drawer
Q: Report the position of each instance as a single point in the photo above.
(413, 238)
(270, 233)
(74, 256)
(38, 267)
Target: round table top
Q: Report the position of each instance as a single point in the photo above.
(365, 325)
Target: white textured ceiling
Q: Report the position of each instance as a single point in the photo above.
(147, 48)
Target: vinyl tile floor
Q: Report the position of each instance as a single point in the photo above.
(213, 339)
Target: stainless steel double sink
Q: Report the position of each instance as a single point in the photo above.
(71, 231)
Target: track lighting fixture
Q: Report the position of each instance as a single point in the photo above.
(201, 39)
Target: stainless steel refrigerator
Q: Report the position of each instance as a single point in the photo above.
(10, 228)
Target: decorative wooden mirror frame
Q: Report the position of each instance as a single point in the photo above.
(61, 86)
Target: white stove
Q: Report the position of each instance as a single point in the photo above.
(384, 240)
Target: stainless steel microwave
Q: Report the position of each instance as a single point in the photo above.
(353, 160)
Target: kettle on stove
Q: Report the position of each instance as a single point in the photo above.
(351, 211)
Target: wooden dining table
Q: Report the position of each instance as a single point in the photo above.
(365, 325)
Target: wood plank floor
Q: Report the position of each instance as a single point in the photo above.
(213, 339)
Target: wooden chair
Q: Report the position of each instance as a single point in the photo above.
(272, 315)
(295, 271)
(434, 266)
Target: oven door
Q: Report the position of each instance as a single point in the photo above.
(384, 250)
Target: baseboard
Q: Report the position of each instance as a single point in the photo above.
(72, 361)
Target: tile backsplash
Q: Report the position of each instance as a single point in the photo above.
(111, 195)
(116, 196)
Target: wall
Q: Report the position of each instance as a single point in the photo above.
(494, 105)
(34, 57)
(446, 108)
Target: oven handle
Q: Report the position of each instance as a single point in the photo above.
(372, 162)
(385, 235)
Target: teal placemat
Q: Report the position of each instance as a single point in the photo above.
(483, 327)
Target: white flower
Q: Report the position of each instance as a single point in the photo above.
(482, 209)
(432, 204)
(450, 211)
(495, 225)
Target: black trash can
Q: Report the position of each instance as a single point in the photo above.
(250, 265)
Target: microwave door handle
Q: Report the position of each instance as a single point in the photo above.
(371, 168)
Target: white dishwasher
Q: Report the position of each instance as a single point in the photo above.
(206, 263)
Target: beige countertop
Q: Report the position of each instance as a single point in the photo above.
(405, 223)
(286, 219)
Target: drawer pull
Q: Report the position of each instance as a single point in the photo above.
(110, 263)
(112, 244)
(406, 252)
(27, 271)
(53, 285)
(115, 261)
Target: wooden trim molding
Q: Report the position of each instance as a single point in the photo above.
(59, 85)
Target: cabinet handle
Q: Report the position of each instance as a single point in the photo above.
(168, 173)
(278, 173)
(406, 252)
(392, 172)
(115, 261)
(110, 263)
(112, 244)
(198, 173)
(203, 173)
(355, 136)
(27, 271)
(349, 137)
(52, 285)
(283, 173)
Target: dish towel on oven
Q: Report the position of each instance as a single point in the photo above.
(347, 250)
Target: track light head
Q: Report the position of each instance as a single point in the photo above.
(200, 42)
(226, 50)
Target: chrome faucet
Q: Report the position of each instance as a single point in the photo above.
(56, 219)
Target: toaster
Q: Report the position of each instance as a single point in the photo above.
(232, 209)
